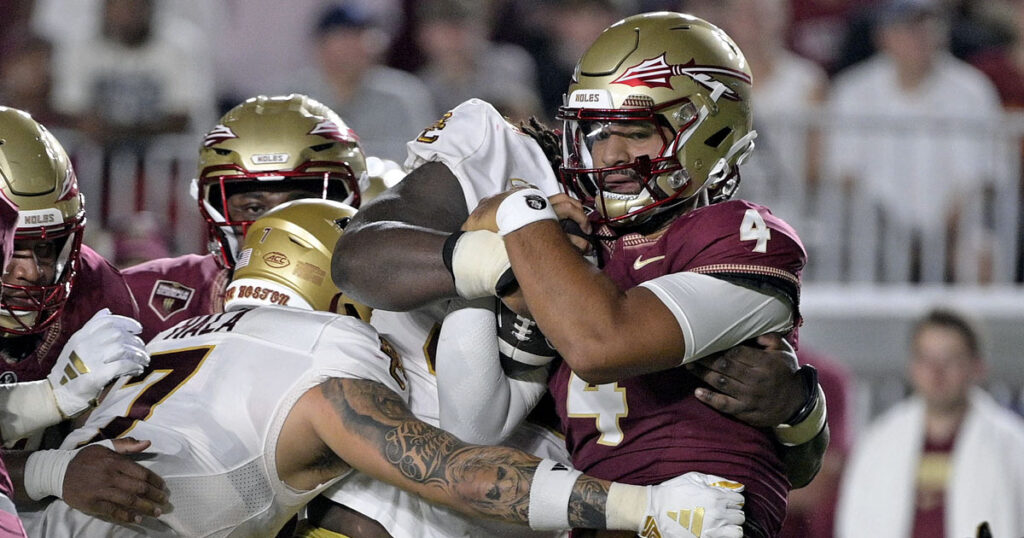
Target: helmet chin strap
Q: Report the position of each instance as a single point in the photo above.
(722, 176)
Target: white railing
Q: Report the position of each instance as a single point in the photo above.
(854, 236)
(119, 184)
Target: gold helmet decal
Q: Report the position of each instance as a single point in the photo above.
(37, 177)
(685, 82)
(657, 73)
(291, 146)
(285, 259)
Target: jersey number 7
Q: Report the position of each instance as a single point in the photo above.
(166, 373)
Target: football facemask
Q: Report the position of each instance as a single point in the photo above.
(36, 176)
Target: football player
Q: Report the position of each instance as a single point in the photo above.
(409, 233)
(53, 284)
(262, 152)
(255, 410)
(656, 124)
(65, 330)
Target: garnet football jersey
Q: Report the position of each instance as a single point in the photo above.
(651, 428)
(169, 290)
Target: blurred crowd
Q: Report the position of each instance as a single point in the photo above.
(917, 87)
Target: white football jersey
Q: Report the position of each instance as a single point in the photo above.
(486, 153)
(213, 402)
(414, 336)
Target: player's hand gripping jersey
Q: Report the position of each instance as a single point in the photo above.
(650, 428)
(213, 402)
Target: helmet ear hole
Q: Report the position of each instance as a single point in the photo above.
(716, 139)
(299, 242)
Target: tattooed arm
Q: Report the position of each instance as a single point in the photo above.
(369, 428)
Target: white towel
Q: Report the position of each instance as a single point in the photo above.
(986, 483)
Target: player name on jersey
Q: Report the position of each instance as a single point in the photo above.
(223, 322)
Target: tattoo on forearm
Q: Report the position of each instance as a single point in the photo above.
(417, 449)
(587, 503)
(491, 481)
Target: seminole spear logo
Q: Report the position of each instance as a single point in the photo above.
(218, 134)
(658, 73)
(329, 129)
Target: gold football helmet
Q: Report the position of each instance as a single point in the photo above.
(278, 144)
(285, 259)
(684, 76)
(36, 176)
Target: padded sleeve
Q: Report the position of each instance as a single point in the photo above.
(716, 315)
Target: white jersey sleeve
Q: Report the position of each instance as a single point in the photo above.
(478, 402)
(359, 343)
(486, 153)
(729, 314)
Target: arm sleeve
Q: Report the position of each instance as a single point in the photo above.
(477, 401)
(716, 315)
(26, 408)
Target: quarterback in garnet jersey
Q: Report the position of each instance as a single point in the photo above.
(662, 430)
(656, 124)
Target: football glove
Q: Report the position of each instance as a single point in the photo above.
(105, 348)
(694, 505)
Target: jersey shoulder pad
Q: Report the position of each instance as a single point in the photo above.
(485, 152)
(199, 265)
(734, 232)
(99, 284)
(457, 134)
(191, 271)
(352, 348)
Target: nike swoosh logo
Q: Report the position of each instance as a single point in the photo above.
(641, 263)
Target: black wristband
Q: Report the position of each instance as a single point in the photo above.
(809, 375)
(506, 284)
(448, 251)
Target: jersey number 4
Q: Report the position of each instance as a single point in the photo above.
(753, 228)
(166, 374)
(606, 404)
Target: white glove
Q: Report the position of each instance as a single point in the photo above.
(105, 348)
(694, 505)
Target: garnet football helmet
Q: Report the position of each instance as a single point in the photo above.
(283, 143)
(680, 73)
(37, 177)
(285, 259)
